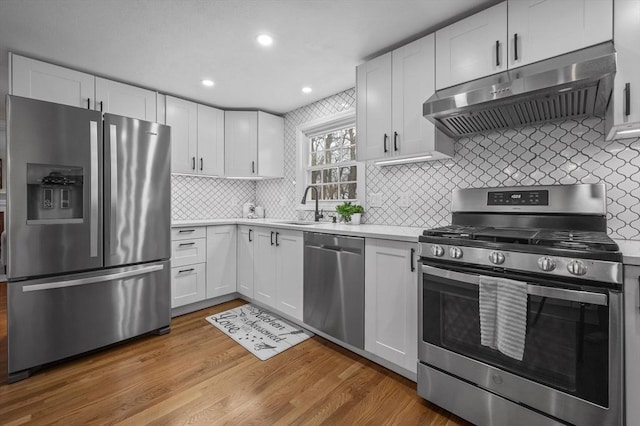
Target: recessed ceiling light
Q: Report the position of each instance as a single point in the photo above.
(207, 83)
(306, 90)
(264, 39)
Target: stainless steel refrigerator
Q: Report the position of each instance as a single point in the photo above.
(88, 223)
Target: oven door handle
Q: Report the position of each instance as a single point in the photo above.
(534, 290)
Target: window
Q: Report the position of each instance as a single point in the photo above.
(332, 167)
(328, 160)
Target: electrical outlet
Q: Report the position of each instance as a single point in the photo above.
(404, 199)
(375, 199)
(283, 201)
(234, 201)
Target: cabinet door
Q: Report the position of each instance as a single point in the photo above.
(210, 159)
(373, 100)
(221, 260)
(246, 236)
(623, 115)
(472, 48)
(547, 28)
(241, 143)
(391, 301)
(632, 339)
(270, 145)
(182, 116)
(290, 272)
(413, 83)
(264, 267)
(123, 99)
(47, 82)
(188, 284)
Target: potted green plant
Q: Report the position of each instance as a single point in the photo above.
(350, 212)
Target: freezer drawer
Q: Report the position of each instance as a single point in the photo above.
(51, 319)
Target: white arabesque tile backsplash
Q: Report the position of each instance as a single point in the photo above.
(556, 153)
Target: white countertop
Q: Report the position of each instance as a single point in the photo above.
(387, 232)
(630, 251)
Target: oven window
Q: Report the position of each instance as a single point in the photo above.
(566, 343)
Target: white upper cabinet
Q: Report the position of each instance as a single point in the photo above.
(182, 116)
(241, 143)
(210, 141)
(122, 99)
(472, 48)
(541, 29)
(197, 137)
(373, 118)
(39, 80)
(623, 115)
(516, 33)
(390, 92)
(254, 144)
(270, 145)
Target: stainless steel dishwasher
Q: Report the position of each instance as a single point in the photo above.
(334, 286)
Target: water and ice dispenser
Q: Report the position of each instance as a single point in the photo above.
(54, 194)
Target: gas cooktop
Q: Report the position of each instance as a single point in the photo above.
(588, 241)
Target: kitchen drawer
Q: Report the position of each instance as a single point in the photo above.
(188, 252)
(187, 233)
(188, 284)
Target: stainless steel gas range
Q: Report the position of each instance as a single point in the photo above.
(521, 308)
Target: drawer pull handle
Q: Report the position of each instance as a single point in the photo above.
(186, 231)
(186, 270)
(186, 244)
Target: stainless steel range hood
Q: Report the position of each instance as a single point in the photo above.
(569, 86)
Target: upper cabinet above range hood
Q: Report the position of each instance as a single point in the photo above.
(573, 85)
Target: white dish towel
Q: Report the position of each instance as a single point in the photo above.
(503, 315)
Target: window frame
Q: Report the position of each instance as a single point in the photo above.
(316, 127)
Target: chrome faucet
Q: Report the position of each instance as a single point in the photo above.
(317, 214)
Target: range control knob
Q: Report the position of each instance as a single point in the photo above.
(546, 263)
(455, 252)
(577, 267)
(496, 257)
(437, 250)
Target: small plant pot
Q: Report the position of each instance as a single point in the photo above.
(356, 218)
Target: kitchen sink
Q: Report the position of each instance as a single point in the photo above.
(299, 222)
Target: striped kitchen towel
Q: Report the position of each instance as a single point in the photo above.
(505, 317)
(488, 302)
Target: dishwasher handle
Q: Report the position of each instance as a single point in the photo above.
(333, 248)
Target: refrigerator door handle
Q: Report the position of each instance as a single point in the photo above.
(93, 215)
(113, 148)
(91, 280)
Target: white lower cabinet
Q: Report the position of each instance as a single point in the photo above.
(203, 263)
(221, 260)
(632, 341)
(391, 305)
(246, 236)
(278, 270)
(188, 265)
(188, 284)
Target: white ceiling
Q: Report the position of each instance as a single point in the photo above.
(171, 45)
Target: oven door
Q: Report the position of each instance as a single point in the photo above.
(571, 367)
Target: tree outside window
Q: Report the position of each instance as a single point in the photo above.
(332, 166)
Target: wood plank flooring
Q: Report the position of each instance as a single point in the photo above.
(197, 375)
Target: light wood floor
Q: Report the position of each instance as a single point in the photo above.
(197, 375)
